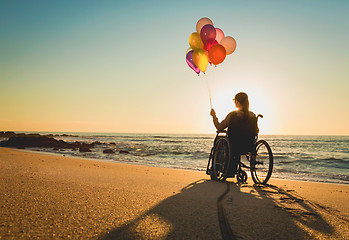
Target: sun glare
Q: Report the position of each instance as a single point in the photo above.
(260, 103)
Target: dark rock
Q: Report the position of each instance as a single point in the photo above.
(29, 141)
(32, 135)
(124, 151)
(112, 143)
(55, 149)
(84, 149)
(63, 135)
(97, 143)
(7, 134)
(36, 140)
(108, 151)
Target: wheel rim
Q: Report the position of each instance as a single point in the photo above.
(262, 163)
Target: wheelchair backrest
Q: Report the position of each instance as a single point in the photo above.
(242, 133)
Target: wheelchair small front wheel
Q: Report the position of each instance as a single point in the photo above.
(220, 159)
(261, 163)
(241, 176)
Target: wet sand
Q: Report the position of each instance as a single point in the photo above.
(47, 196)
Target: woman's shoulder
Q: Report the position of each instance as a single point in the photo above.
(236, 113)
(240, 114)
(252, 114)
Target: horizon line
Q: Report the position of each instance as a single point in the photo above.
(202, 133)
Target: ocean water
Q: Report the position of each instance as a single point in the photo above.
(309, 158)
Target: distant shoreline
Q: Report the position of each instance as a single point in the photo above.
(304, 158)
(151, 133)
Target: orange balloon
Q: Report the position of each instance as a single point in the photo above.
(200, 59)
(217, 54)
(195, 41)
(202, 22)
(229, 44)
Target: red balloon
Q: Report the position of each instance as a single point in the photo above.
(208, 35)
(217, 54)
(208, 47)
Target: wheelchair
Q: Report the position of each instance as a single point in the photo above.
(224, 163)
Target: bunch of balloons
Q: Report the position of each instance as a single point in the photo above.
(208, 45)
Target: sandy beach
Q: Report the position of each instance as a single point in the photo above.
(56, 197)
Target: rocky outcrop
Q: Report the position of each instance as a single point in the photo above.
(36, 140)
(31, 141)
(7, 134)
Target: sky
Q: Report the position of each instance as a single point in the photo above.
(119, 66)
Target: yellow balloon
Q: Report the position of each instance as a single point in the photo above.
(195, 41)
(200, 59)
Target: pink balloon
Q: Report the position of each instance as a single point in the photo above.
(219, 35)
(208, 35)
(190, 62)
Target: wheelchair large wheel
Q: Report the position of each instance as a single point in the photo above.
(220, 159)
(261, 163)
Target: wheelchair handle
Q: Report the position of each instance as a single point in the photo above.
(221, 131)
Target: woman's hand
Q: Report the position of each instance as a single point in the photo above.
(213, 113)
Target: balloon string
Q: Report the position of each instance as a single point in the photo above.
(209, 92)
(210, 101)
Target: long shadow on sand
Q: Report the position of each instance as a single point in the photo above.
(252, 212)
(270, 212)
(191, 214)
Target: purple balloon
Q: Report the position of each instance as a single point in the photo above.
(208, 35)
(190, 62)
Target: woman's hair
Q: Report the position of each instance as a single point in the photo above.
(243, 100)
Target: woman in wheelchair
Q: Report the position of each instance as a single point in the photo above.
(239, 139)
